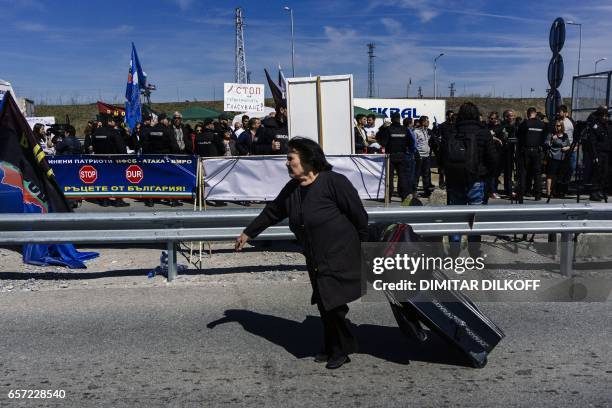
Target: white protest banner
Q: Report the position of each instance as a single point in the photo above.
(243, 97)
(261, 178)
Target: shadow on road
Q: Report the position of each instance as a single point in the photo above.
(143, 272)
(304, 339)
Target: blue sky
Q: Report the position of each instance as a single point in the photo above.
(79, 50)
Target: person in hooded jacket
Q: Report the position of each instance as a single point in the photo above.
(465, 183)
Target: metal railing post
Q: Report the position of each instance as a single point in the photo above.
(171, 261)
(567, 253)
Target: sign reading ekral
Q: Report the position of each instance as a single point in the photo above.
(243, 97)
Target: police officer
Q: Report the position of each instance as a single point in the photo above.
(531, 135)
(441, 132)
(208, 143)
(508, 137)
(160, 139)
(397, 141)
(276, 133)
(597, 152)
(107, 140)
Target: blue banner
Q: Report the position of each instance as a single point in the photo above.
(145, 176)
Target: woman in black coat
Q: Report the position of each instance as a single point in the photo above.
(328, 219)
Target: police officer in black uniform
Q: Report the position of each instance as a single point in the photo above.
(209, 143)
(396, 140)
(276, 132)
(597, 154)
(160, 140)
(107, 140)
(531, 135)
(440, 133)
(509, 140)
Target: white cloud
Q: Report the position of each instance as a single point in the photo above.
(30, 26)
(184, 4)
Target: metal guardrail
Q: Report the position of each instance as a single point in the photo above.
(227, 224)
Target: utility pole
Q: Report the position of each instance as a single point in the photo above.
(420, 93)
(408, 87)
(371, 56)
(240, 74)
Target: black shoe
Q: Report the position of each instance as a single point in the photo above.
(538, 198)
(121, 203)
(104, 203)
(149, 203)
(337, 362)
(321, 357)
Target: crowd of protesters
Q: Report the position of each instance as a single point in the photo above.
(525, 150)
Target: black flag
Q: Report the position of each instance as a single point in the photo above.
(277, 94)
(23, 160)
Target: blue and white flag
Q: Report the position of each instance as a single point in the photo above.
(282, 82)
(135, 82)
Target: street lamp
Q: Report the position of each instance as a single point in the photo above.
(598, 61)
(290, 10)
(579, 40)
(435, 83)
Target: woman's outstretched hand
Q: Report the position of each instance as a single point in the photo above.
(240, 241)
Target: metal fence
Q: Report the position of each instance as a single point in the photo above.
(589, 92)
(226, 225)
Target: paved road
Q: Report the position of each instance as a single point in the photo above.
(157, 346)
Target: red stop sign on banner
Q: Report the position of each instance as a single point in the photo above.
(134, 174)
(88, 174)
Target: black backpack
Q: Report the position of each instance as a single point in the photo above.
(461, 161)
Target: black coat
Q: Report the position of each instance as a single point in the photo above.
(159, 140)
(209, 144)
(329, 224)
(107, 140)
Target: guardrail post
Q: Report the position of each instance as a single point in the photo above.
(566, 253)
(171, 261)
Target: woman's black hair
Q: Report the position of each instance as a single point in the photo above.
(37, 128)
(311, 154)
(468, 111)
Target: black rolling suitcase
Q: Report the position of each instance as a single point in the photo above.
(456, 318)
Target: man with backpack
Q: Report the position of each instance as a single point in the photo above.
(470, 157)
